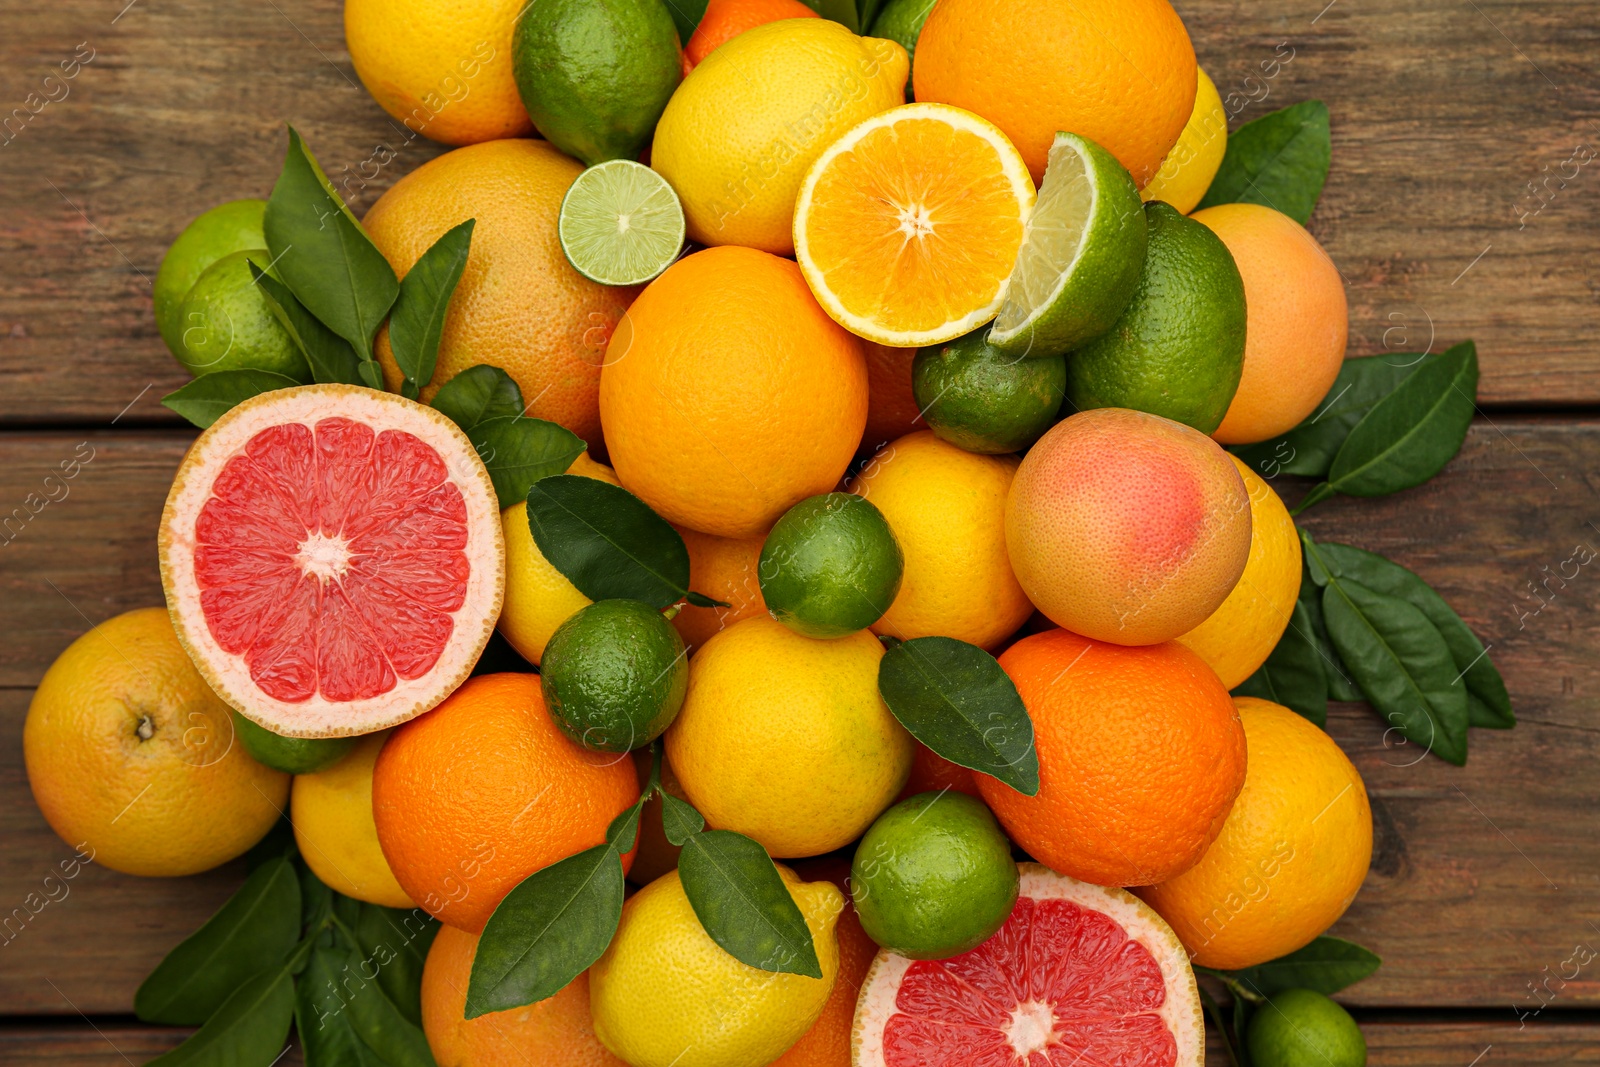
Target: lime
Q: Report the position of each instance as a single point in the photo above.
(1179, 348)
(292, 755)
(1081, 256)
(901, 21)
(621, 223)
(830, 566)
(614, 675)
(231, 227)
(983, 400)
(595, 75)
(228, 325)
(934, 877)
(1303, 1028)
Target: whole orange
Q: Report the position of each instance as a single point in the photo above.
(726, 19)
(892, 409)
(519, 305)
(482, 791)
(1119, 72)
(551, 1033)
(827, 1043)
(728, 395)
(1140, 756)
(1297, 320)
(723, 568)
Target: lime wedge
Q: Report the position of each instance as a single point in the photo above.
(1080, 257)
(621, 223)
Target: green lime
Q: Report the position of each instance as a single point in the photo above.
(933, 877)
(830, 566)
(621, 223)
(1303, 1028)
(231, 227)
(1178, 349)
(595, 75)
(291, 755)
(228, 325)
(614, 675)
(983, 400)
(901, 21)
(1081, 256)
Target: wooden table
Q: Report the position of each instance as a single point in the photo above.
(1484, 878)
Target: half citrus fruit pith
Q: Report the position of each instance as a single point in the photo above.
(332, 559)
(1079, 974)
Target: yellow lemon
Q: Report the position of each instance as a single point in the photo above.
(538, 597)
(785, 738)
(666, 995)
(744, 127)
(1239, 636)
(333, 825)
(1188, 168)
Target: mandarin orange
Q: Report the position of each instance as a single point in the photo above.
(891, 407)
(726, 19)
(723, 568)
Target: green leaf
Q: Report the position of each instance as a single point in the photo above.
(679, 819)
(331, 357)
(955, 698)
(278, 844)
(1488, 702)
(1327, 965)
(624, 829)
(686, 15)
(478, 394)
(547, 931)
(1308, 449)
(1411, 434)
(1340, 687)
(1280, 160)
(840, 11)
(210, 396)
(1213, 1011)
(606, 541)
(249, 1029)
(1293, 674)
(417, 322)
(519, 451)
(316, 899)
(322, 1015)
(396, 942)
(743, 903)
(323, 254)
(378, 1022)
(866, 12)
(253, 931)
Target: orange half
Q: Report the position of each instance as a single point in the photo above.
(907, 227)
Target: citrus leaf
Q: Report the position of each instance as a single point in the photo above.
(396, 942)
(686, 15)
(841, 11)
(518, 452)
(210, 396)
(1293, 674)
(377, 1022)
(1327, 965)
(249, 1029)
(1213, 1011)
(679, 819)
(956, 699)
(322, 253)
(417, 321)
(1280, 160)
(743, 903)
(624, 829)
(478, 394)
(321, 1013)
(1340, 687)
(316, 899)
(547, 931)
(606, 541)
(331, 357)
(253, 931)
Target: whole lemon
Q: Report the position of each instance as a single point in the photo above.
(744, 127)
(666, 995)
(333, 825)
(785, 738)
(1186, 172)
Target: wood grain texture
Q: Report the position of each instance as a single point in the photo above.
(1443, 113)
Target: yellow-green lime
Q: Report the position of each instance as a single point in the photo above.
(934, 876)
(830, 566)
(901, 21)
(292, 755)
(595, 75)
(620, 223)
(231, 227)
(984, 400)
(1081, 255)
(1303, 1028)
(614, 675)
(228, 324)
(1178, 349)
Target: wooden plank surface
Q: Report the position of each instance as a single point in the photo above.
(1443, 112)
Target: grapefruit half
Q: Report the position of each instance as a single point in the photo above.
(1079, 974)
(332, 559)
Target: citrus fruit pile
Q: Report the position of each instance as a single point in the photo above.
(787, 454)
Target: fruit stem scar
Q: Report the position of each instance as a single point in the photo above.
(146, 728)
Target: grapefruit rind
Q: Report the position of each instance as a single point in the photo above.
(473, 623)
(1180, 1011)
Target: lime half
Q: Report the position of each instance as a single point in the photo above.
(621, 223)
(1080, 257)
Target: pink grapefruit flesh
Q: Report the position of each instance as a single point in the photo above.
(332, 558)
(1079, 974)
